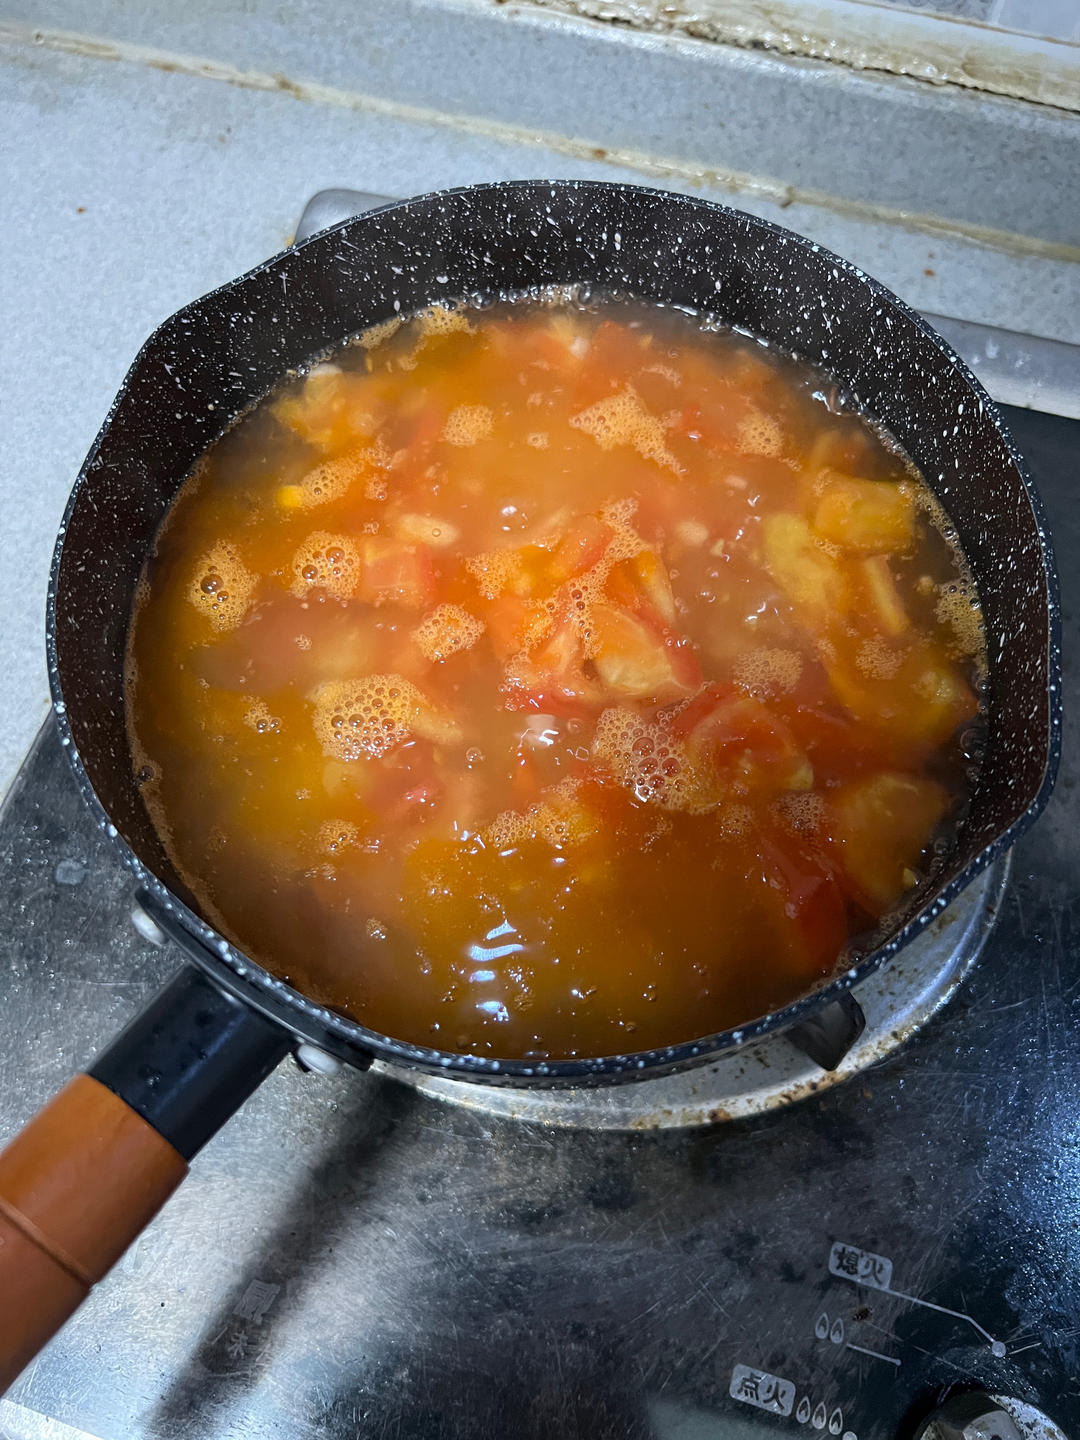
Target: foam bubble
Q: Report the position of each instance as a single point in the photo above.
(538, 439)
(222, 586)
(466, 424)
(537, 623)
(375, 335)
(584, 592)
(327, 562)
(759, 434)
(372, 715)
(803, 812)
(560, 819)
(958, 607)
(337, 835)
(566, 293)
(334, 478)
(443, 320)
(665, 372)
(621, 419)
(767, 671)
(646, 758)
(493, 570)
(509, 829)
(877, 659)
(448, 629)
(734, 821)
(260, 719)
(625, 542)
(499, 570)
(378, 458)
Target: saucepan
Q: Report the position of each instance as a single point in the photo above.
(93, 1167)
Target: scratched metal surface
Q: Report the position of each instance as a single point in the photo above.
(350, 1257)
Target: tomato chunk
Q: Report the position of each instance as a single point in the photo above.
(581, 546)
(733, 735)
(641, 584)
(638, 661)
(812, 900)
(551, 677)
(396, 574)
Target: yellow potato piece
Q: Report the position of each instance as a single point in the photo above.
(426, 530)
(870, 517)
(884, 598)
(798, 562)
(329, 410)
(882, 824)
(919, 702)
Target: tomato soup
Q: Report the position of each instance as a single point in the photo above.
(556, 678)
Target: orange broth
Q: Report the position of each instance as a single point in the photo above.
(554, 679)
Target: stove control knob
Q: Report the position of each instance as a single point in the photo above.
(978, 1416)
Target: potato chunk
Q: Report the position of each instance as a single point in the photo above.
(869, 517)
(331, 410)
(918, 702)
(883, 599)
(882, 824)
(798, 562)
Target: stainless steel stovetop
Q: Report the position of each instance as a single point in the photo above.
(353, 1256)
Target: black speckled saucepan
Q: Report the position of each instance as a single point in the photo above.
(186, 1064)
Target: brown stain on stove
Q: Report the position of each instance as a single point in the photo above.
(953, 53)
(764, 189)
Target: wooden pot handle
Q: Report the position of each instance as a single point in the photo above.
(76, 1187)
(88, 1172)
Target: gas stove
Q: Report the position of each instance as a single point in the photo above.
(746, 1251)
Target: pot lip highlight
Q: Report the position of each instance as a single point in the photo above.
(350, 1039)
